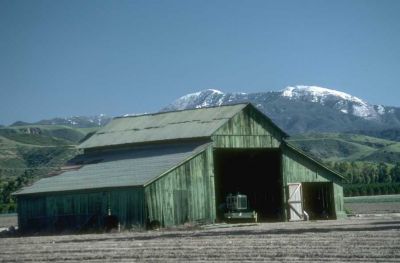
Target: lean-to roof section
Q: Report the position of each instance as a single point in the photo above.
(126, 168)
(299, 152)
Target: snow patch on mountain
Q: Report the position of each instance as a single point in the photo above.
(380, 109)
(135, 114)
(342, 101)
(319, 94)
(274, 103)
(201, 99)
(215, 91)
(78, 121)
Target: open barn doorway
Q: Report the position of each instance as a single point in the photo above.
(253, 172)
(318, 200)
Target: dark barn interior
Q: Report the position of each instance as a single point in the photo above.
(318, 200)
(253, 172)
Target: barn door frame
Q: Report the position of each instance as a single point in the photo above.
(295, 202)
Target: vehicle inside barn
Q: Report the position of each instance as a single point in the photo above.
(255, 173)
(198, 166)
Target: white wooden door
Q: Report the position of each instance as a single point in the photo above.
(295, 202)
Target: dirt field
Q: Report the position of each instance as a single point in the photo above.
(350, 240)
(7, 220)
(378, 204)
(373, 208)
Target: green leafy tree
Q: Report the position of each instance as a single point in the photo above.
(383, 173)
(395, 172)
(8, 188)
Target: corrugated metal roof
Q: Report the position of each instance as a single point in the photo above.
(125, 168)
(186, 124)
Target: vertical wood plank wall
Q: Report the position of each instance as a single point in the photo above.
(247, 129)
(185, 194)
(298, 169)
(47, 212)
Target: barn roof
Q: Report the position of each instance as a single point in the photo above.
(119, 169)
(164, 126)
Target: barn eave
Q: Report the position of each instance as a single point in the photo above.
(317, 163)
(137, 169)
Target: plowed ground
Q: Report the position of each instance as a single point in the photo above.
(350, 240)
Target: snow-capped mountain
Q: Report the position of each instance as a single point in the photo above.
(341, 101)
(303, 108)
(208, 98)
(296, 109)
(205, 98)
(73, 121)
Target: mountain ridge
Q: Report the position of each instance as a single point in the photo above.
(323, 122)
(295, 109)
(73, 121)
(299, 109)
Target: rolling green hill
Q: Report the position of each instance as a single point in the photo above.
(371, 165)
(30, 152)
(335, 147)
(45, 134)
(39, 147)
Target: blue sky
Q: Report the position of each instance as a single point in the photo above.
(64, 58)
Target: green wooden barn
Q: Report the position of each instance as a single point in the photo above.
(178, 167)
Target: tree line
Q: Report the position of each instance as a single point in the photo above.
(7, 201)
(365, 178)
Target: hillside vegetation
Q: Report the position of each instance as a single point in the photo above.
(336, 147)
(371, 165)
(30, 152)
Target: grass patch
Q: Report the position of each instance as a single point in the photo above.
(373, 199)
(347, 147)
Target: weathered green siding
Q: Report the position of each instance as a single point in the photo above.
(73, 210)
(185, 194)
(299, 169)
(247, 129)
(176, 185)
(339, 200)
